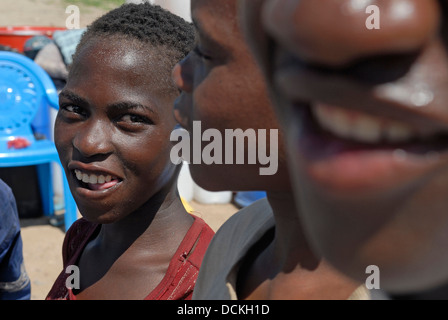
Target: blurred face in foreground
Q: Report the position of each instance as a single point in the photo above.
(223, 89)
(365, 113)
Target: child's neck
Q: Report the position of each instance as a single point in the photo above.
(155, 230)
(150, 224)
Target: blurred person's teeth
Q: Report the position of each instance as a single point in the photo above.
(339, 123)
(360, 127)
(366, 129)
(397, 132)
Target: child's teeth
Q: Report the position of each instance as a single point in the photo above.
(92, 178)
(360, 127)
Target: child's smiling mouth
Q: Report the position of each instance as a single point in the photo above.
(96, 182)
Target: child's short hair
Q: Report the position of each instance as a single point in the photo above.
(147, 23)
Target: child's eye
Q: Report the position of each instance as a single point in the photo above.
(200, 54)
(133, 122)
(73, 110)
(132, 118)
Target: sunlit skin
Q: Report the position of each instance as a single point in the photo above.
(115, 119)
(377, 203)
(217, 91)
(223, 87)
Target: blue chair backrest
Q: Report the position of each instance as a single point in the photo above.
(26, 91)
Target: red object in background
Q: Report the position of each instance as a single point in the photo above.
(15, 37)
(18, 143)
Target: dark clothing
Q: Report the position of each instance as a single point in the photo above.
(14, 281)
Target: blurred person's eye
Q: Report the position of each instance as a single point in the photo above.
(201, 54)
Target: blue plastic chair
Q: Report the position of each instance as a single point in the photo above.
(26, 91)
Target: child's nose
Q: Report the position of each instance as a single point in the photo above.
(335, 33)
(93, 140)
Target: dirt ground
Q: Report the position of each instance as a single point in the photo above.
(43, 13)
(42, 242)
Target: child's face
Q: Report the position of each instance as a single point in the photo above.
(366, 118)
(223, 88)
(113, 127)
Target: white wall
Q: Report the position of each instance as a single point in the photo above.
(179, 7)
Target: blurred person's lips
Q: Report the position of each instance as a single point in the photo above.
(182, 112)
(352, 153)
(362, 142)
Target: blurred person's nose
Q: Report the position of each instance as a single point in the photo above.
(336, 33)
(182, 75)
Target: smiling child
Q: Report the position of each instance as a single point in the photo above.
(135, 240)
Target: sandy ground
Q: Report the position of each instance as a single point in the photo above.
(42, 242)
(42, 13)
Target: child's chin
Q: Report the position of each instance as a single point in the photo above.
(105, 218)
